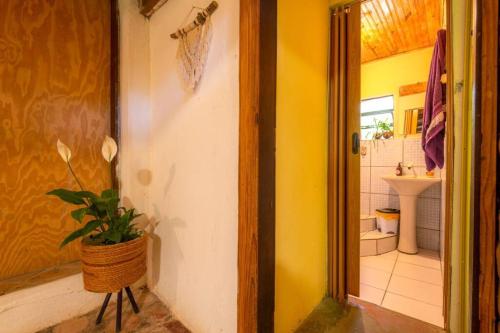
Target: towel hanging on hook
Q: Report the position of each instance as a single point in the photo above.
(194, 41)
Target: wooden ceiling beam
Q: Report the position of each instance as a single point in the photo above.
(391, 27)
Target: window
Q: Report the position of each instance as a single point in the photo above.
(373, 111)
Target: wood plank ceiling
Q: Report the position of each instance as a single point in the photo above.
(390, 27)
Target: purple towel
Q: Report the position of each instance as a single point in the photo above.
(433, 127)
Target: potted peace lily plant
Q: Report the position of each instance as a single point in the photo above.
(113, 249)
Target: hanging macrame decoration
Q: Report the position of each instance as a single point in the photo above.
(194, 42)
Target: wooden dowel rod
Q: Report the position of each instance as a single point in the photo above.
(200, 20)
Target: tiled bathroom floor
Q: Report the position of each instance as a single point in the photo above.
(409, 284)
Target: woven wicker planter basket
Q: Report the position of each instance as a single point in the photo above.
(109, 268)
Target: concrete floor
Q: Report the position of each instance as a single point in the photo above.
(328, 317)
(154, 317)
(361, 317)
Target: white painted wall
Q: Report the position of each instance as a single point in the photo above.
(135, 112)
(179, 161)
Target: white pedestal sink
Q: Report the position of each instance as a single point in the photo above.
(408, 187)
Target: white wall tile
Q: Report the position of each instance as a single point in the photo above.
(381, 158)
(387, 152)
(432, 192)
(365, 204)
(367, 247)
(412, 152)
(365, 180)
(378, 185)
(428, 213)
(428, 239)
(388, 244)
(367, 224)
(383, 201)
(442, 236)
(442, 232)
(366, 146)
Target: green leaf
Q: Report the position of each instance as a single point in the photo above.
(127, 217)
(115, 236)
(100, 204)
(109, 193)
(86, 195)
(88, 228)
(107, 203)
(110, 236)
(95, 211)
(67, 195)
(79, 214)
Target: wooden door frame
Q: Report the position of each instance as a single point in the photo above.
(256, 187)
(449, 167)
(256, 169)
(449, 180)
(485, 159)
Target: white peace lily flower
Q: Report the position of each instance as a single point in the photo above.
(64, 151)
(109, 148)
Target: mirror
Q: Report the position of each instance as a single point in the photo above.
(413, 121)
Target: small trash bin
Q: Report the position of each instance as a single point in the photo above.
(387, 220)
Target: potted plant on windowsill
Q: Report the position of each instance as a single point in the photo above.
(386, 128)
(113, 249)
(383, 129)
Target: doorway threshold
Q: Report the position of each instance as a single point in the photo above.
(359, 316)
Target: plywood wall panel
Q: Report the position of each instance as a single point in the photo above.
(54, 83)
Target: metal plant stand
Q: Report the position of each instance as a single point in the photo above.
(118, 307)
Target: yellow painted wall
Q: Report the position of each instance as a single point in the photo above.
(301, 160)
(384, 77)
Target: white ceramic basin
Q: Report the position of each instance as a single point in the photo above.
(408, 187)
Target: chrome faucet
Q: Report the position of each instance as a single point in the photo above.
(410, 166)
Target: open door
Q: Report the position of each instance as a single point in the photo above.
(343, 152)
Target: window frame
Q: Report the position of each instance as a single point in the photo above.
(374, 113)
